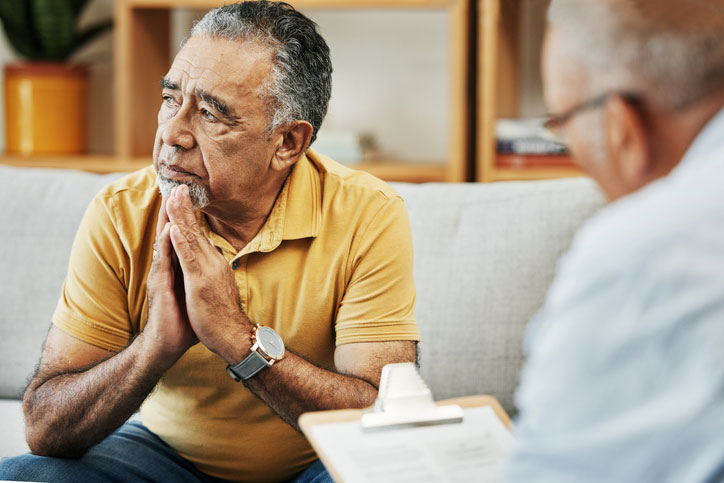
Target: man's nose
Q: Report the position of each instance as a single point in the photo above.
(177, 131)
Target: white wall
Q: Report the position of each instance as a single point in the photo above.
(391, 79)
(390, 76)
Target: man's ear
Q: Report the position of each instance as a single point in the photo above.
(295, 139)
(627, 143)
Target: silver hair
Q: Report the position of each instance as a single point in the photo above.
(199, 195)
(672, 50)
(300, 82)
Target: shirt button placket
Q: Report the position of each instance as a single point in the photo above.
(239, 268)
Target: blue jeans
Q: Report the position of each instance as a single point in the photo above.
(132, 453)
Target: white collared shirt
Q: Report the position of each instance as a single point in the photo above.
(625, 373)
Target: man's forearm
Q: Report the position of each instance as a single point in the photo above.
(67, 413)
(294, 386)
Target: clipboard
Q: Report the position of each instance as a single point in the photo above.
(353, 454)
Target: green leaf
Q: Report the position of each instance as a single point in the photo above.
(23, 43)
(54, 27)
(14, 13)
(90, 33)
(15, 17)
(78, 6)
(47, 29)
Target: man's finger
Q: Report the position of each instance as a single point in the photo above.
(162, 217)
(162, 251)
(186, 253)
(181, 213)
(180, 208)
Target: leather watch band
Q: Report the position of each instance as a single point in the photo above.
(247, 368)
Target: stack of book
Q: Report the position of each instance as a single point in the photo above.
(526, 142)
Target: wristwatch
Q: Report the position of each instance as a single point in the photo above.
(266, 349)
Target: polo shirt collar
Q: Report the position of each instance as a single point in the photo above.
(303, 203)
(296, 214)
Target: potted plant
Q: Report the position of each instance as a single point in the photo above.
(45, 95)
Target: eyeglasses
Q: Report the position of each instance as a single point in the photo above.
(557, 120)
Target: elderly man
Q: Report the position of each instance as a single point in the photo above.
(623, 379)
(186, 299)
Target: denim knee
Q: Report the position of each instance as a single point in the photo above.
(26, 467)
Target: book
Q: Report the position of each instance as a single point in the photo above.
(530, 146)
(526, 136)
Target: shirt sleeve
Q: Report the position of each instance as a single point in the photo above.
(379, 300)
(621, 364)
(93, 305)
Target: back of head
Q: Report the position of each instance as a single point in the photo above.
(300, 84)
(671, 49)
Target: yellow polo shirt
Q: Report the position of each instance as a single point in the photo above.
(331, 265)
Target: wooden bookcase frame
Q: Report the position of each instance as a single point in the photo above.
(142, 49)
(498, 90)
(483, 67)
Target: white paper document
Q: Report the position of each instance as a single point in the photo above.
(462, 452)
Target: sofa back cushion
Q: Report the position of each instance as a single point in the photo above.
(484, 257)
(40, 210)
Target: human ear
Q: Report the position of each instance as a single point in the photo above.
(627, 143)
(294, 142)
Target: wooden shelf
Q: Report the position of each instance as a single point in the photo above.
(142, 51)
(93, 163)
(533, 173)
(525, 161)
(405, 171)
(300, 4)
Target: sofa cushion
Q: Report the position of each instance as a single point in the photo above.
(12, 428)
(41, 210)
(484, 257)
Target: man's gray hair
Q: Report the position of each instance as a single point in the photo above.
(300, 82)
(672, 50)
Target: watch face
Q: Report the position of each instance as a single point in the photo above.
(270, 342)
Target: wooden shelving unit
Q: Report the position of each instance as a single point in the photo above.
(487, 63)
(142, 53)
(93, 163)
(504, 173)
(498, 90)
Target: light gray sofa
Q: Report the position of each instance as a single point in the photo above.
(484, 257)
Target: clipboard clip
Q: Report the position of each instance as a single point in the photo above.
(405, 400)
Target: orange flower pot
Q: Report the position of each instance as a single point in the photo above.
(45, 108)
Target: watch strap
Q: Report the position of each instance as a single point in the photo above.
(249, 367)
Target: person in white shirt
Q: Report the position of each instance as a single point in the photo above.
(624, 379)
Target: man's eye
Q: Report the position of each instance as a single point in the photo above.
(207, 115)
(167, 99)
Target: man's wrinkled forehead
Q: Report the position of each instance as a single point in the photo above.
(217, 61)
(226, 68)
(190, 64)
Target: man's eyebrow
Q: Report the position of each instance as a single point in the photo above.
(169, 84)
(217, 103)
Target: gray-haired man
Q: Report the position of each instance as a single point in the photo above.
(253, 243)
(625, 363)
